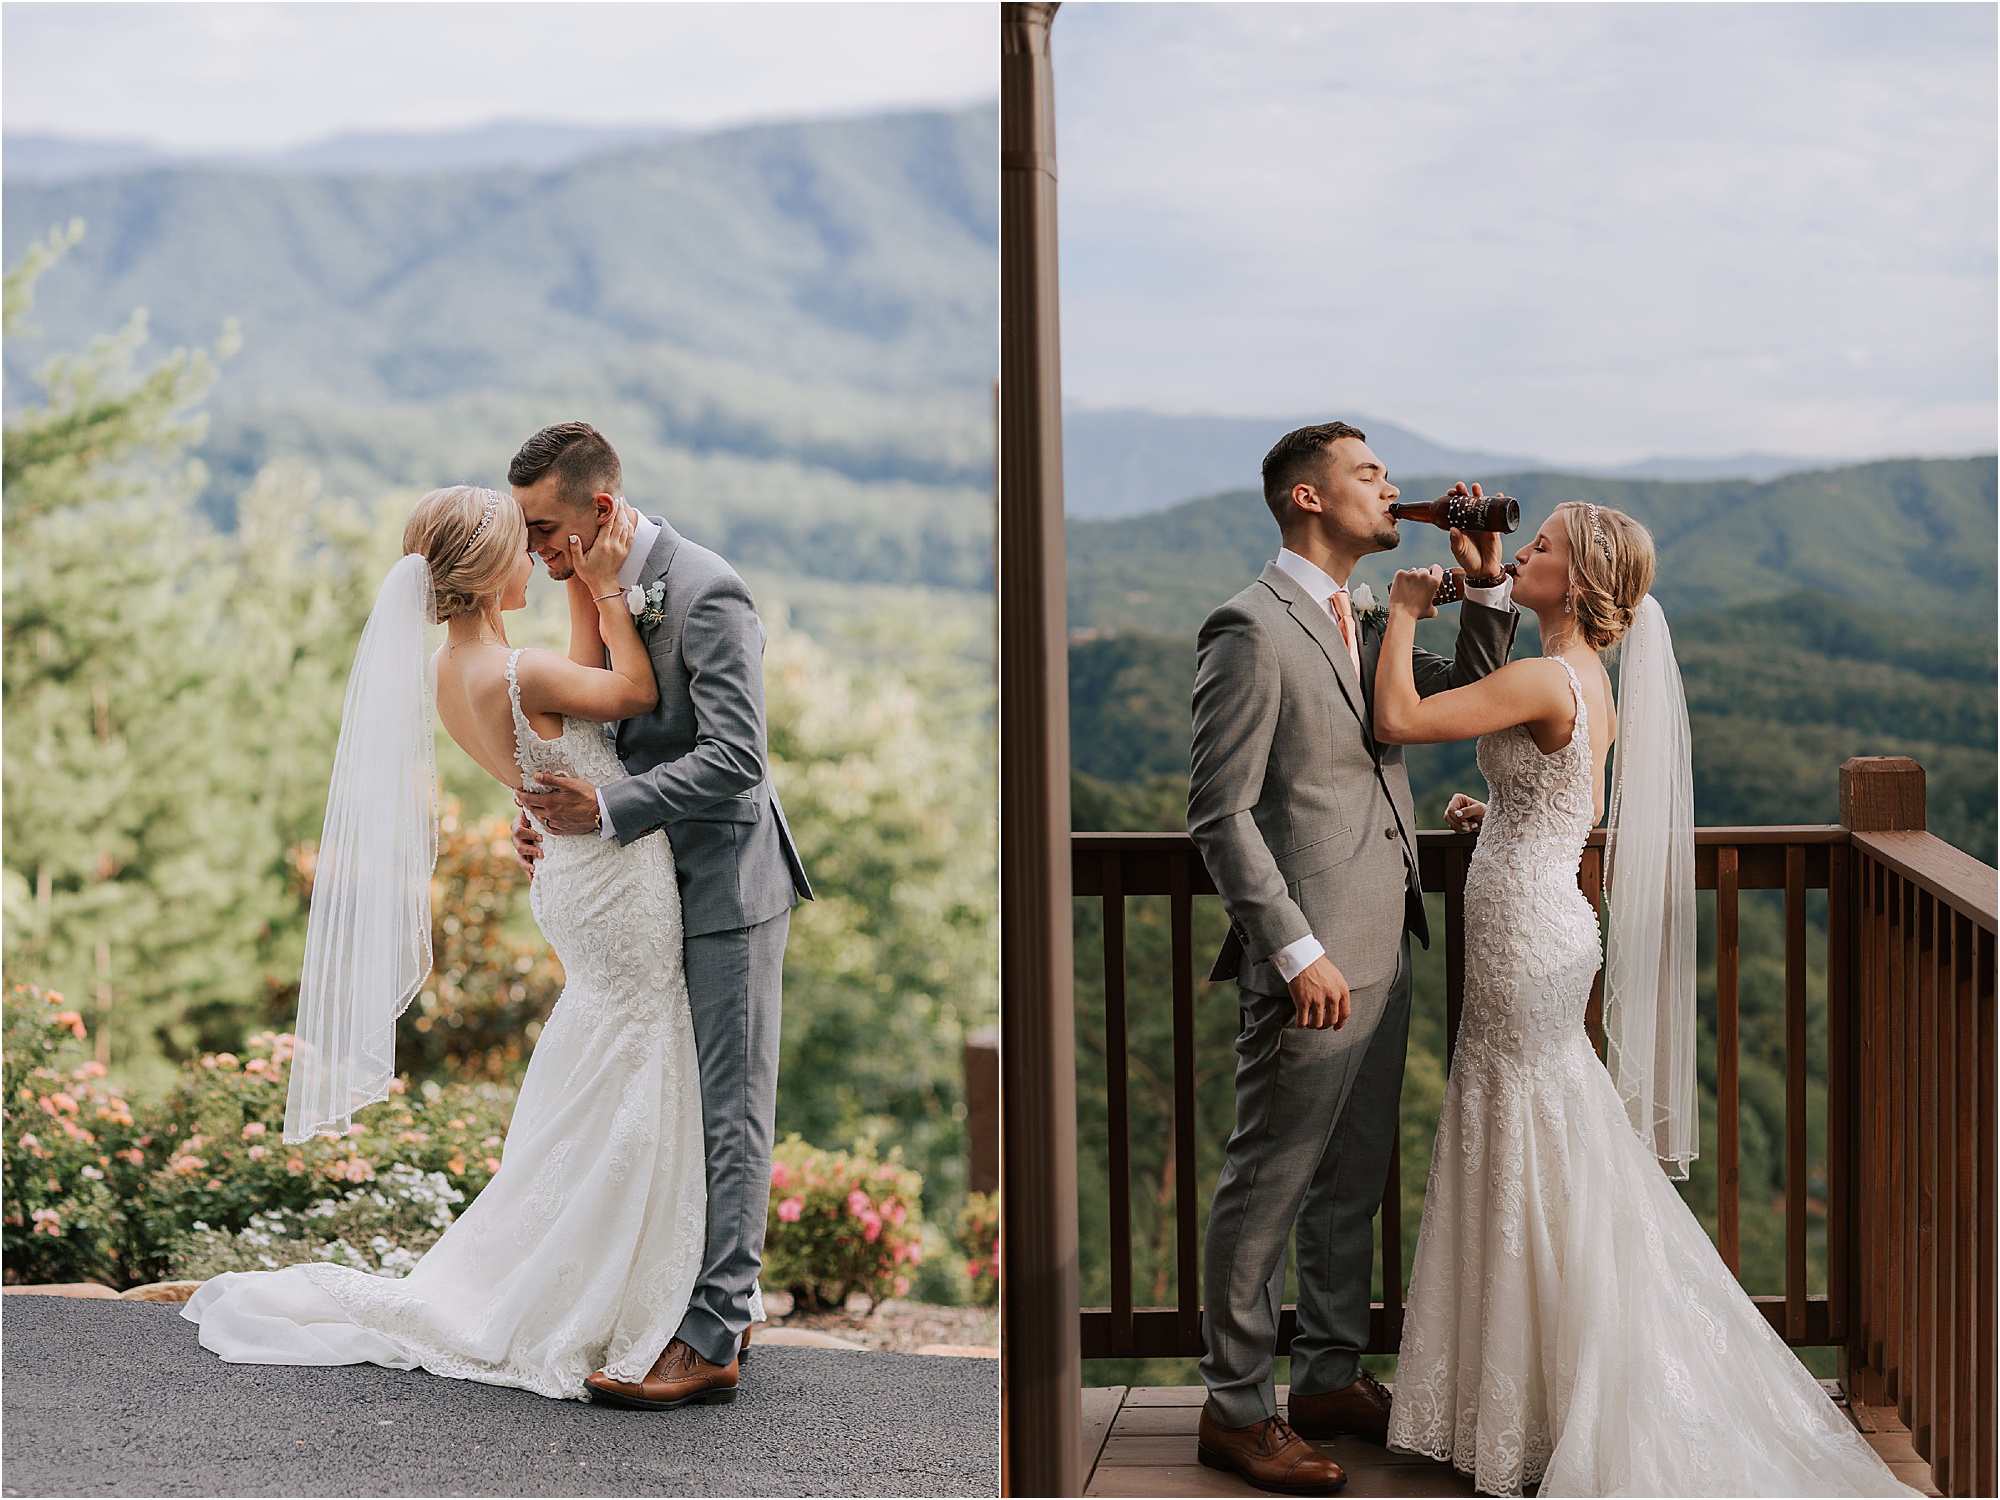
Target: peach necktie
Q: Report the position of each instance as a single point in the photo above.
(1343, 611)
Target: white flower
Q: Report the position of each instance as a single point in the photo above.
(635, 599)
(1364, 596)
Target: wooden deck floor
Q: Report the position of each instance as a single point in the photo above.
(1141, 1441)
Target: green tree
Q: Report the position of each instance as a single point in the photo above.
(887, 782)
(131, 879)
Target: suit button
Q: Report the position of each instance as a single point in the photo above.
(1389, 833)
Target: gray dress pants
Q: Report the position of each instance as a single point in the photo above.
(735, 989)
(1316, 1115)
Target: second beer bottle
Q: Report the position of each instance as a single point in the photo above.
(1493, 513)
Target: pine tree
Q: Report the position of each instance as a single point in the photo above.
(132, 881)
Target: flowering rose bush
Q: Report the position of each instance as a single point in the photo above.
(218, 1153)
(93, 1193)
(71, 1159)
(841, 1223)
(383, 1229)
(979, 1238)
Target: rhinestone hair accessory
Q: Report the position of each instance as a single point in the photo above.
(493, 509)
(1597, 531)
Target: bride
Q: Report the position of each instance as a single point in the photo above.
(1568, 1321)
(581, 1252)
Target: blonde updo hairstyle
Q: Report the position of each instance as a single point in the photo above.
(472, 538)
(1610, 571)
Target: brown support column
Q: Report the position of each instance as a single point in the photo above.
(1041, 1367)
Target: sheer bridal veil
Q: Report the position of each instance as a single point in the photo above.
(1649, 1020)
(368, 939)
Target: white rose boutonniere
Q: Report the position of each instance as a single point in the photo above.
(648, 605)
(1366, 611)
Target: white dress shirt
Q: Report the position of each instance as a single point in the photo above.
(1295, 958)
(643, 536)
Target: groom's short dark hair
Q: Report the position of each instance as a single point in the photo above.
(578, 455)
(1296, 458)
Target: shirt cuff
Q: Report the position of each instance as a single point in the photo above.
(1294, 959)
(604, 828)
(1500, 596)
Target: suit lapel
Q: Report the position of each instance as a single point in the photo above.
(1318, 624)
(665, 545)
(1371, 657)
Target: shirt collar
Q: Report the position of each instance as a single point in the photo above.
(643, 537)
(1308, 576)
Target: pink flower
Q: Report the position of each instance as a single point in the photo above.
(896, 1212)
(492, 1163)
(186, 1166)
(295, 1166)
(973, 1270)
(789, 1209)
(358, 1170)
(72, 1020)
(258, 1153)
(780, 1176)
(857, 1203)
(871, 1226)
(47, 1221)
(92, 1069)
(255, 1127)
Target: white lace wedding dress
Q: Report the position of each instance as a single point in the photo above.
(581, 1252)
(1568, 1320)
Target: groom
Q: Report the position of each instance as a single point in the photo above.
(1306, 825)
(698, 769)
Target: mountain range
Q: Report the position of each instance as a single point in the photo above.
(789, 330)
(537, 145)
(1912, 537)
(1823, 615)
(1125, 461)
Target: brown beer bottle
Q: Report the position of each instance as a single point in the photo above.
(1451, 587)
(1494, 513)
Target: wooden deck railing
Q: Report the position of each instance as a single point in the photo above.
(1911, 1047)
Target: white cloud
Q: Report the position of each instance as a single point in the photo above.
(252, 76)
(1593, 232)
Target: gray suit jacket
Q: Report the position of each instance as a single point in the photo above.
(1304, 821)
(698, 761)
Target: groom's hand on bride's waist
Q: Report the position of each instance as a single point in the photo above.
(527, 843)
(1319, 996)
(569, 806)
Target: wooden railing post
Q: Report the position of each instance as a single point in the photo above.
(1880, 793)
(1041, 1359)
(1877, 793)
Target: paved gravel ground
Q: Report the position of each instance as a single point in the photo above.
(117, 1398)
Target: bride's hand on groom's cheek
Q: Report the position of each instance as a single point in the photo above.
(614, 543)
(1413, 591)
(1320, 996)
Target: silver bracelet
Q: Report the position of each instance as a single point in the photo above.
(614, 594)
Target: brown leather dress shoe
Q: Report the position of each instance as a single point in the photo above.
(1269, 1455)
(1361, 1410)
(679, 1377)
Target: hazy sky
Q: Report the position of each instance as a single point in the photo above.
(254, 76)
(1587, 232)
